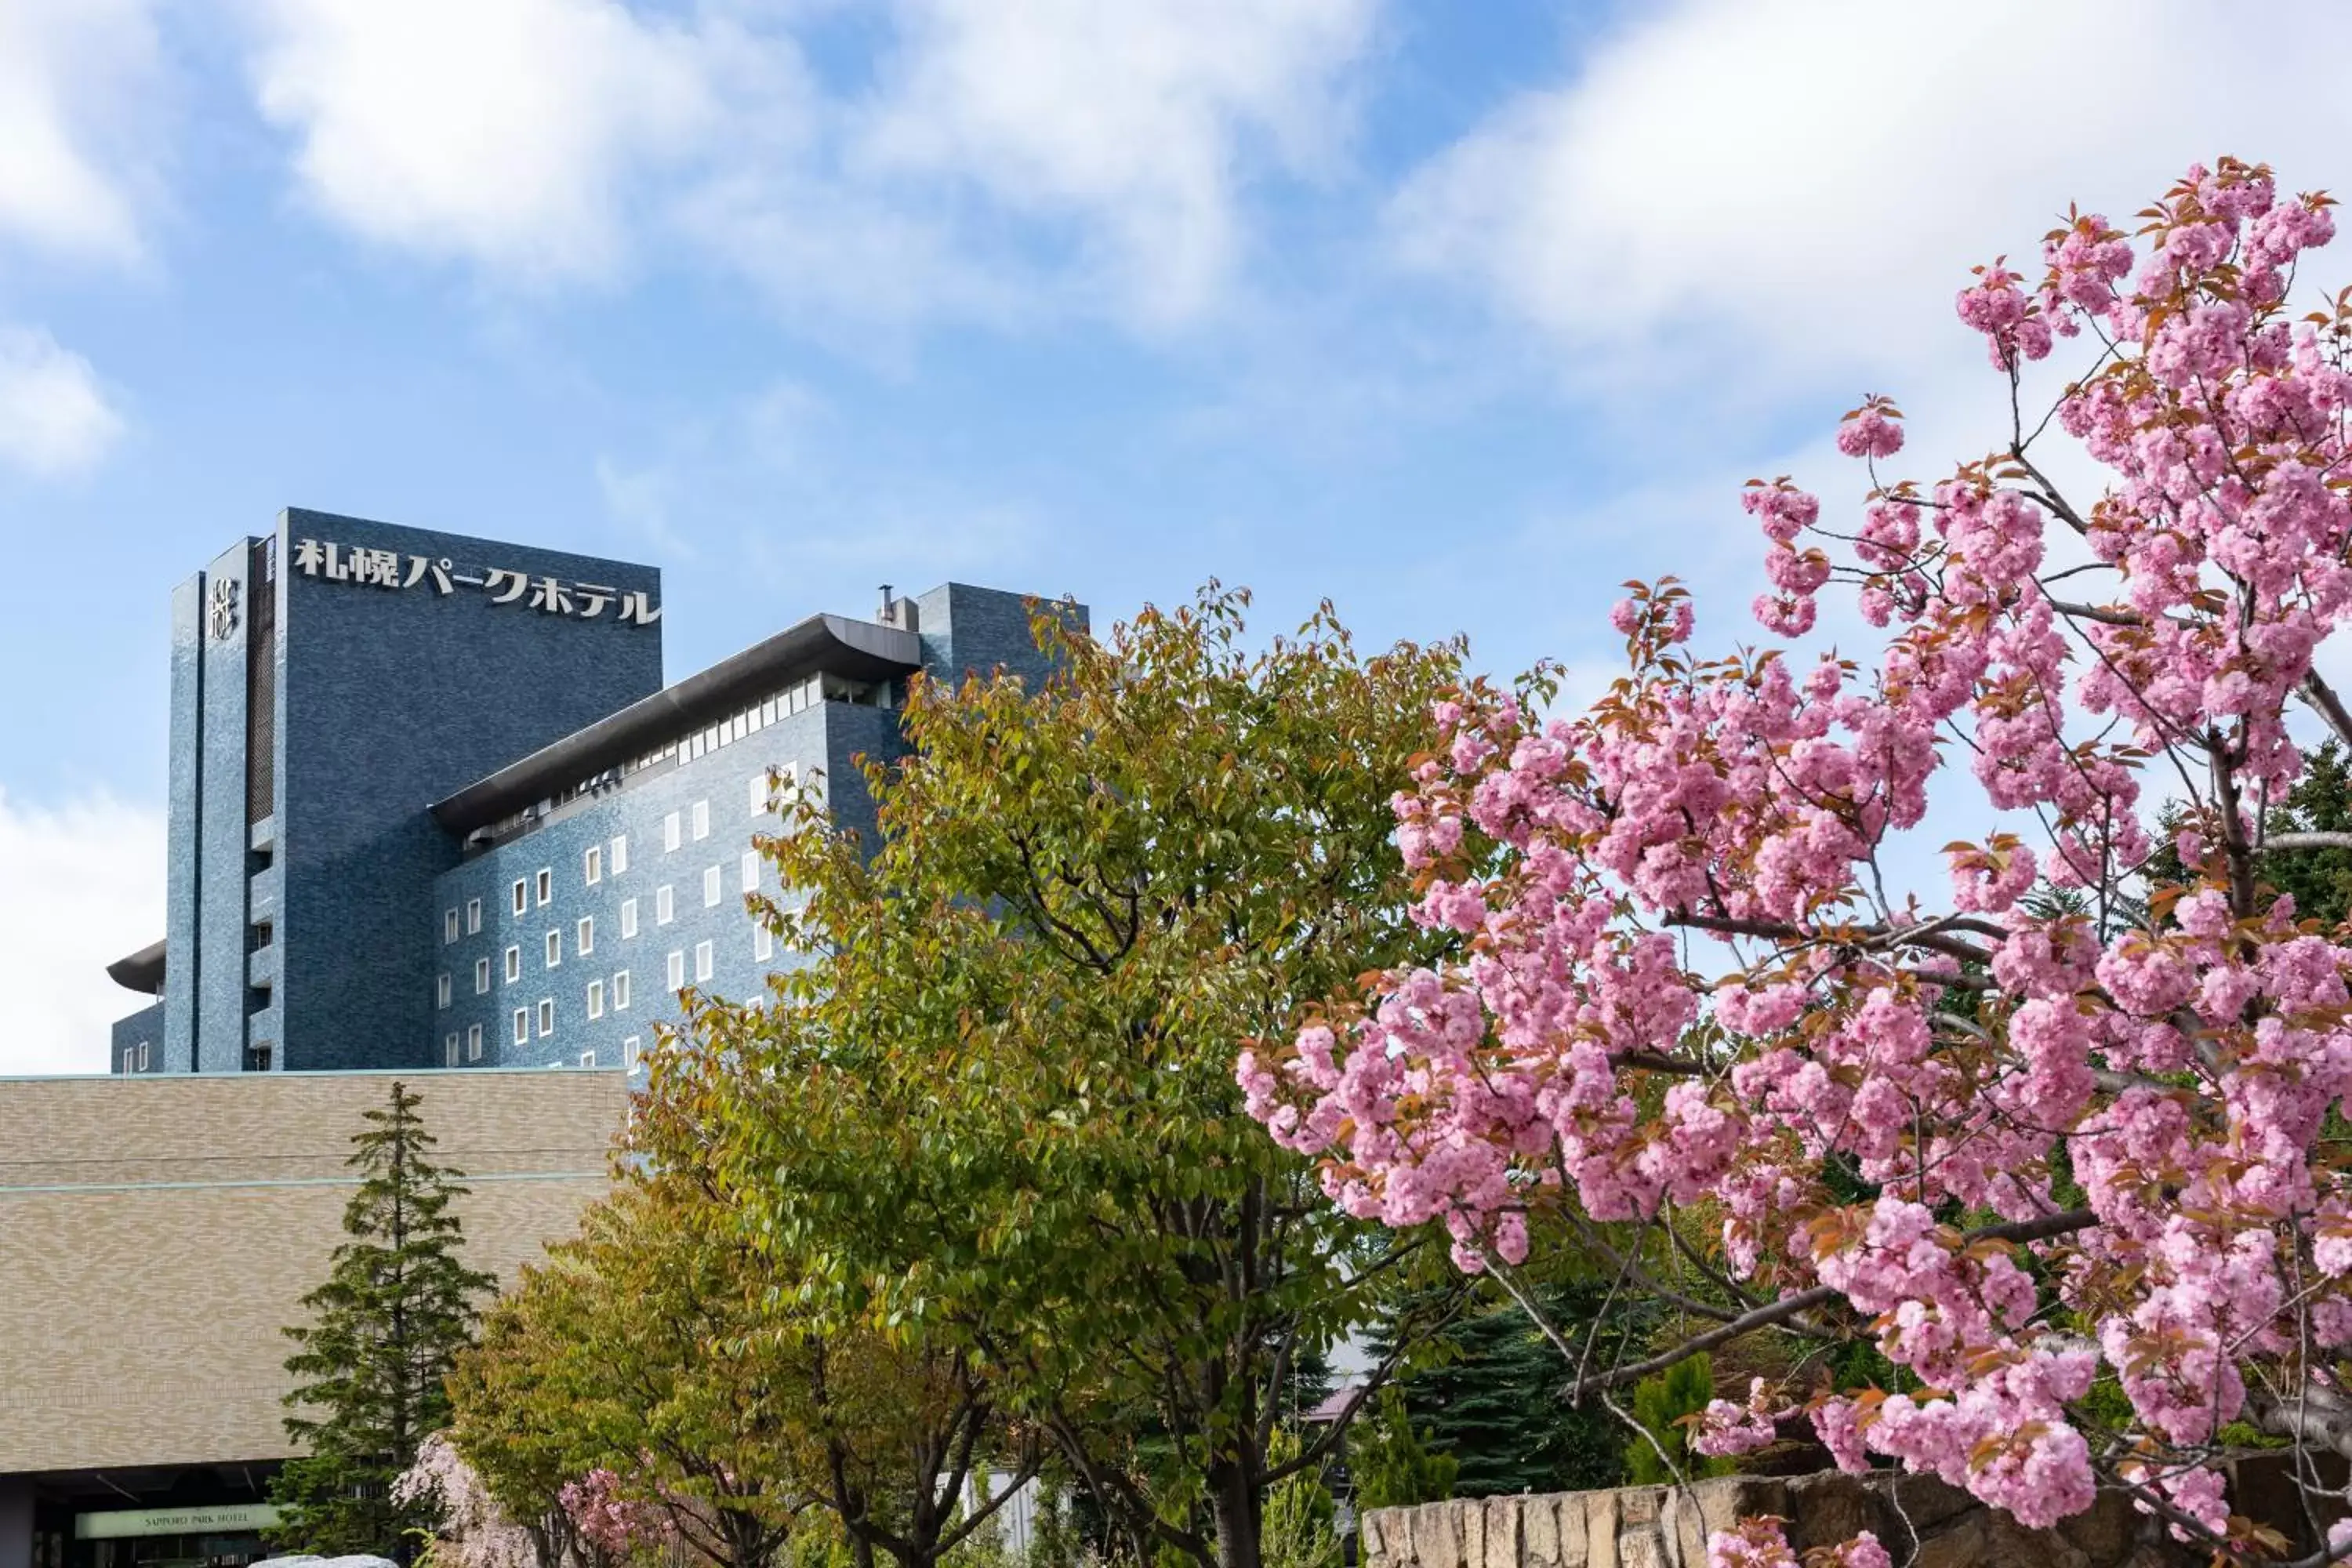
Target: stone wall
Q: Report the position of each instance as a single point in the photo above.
(1667, 1526)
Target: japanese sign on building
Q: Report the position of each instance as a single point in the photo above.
(368, 567)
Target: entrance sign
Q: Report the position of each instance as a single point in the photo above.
(225, 1519)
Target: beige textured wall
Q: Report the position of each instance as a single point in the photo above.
(156, 1232)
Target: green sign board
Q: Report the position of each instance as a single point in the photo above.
(224, 1519)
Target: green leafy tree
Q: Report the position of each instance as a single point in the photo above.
(1301, 1528)
(387, 1325)
(661, 1352)
(1394, 1464)
(998, 1110)
(1662, 1404)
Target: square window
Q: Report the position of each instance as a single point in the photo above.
(523, 1026)
(521, 896)
(583, 940)
(663, 911)
(702, 819)
(441, 992)
(620, 853)
(448, 925)
(554, 947)
(546, 1016)
(473, 916)
(669, 831)
(621, 991)
(546, 884)
(596, 998)
(750, 870)
(711, 887)
(592, 865)
(677, 970)
(514, 965)
(628, 918)
(631, 1052)
(448, 1050)
(702, 961)
(764, 943)
(473, 1042)
(587, 1058)
(482, 976)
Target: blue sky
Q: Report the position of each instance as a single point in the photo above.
(1458, 313)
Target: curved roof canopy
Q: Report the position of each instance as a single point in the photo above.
(141, 971)
(829, 645)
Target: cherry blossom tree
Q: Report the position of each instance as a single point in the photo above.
(2022, 1144)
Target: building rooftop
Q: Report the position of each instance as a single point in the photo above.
(820, 644)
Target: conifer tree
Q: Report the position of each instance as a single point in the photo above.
(386, 1326)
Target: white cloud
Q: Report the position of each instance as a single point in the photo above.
(1806, 181)
(507, 133)
(78, 80)
(1139, 121)
(86, 886)
(54, 416)
(1004, 160)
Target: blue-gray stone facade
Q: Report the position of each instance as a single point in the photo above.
(431, 804)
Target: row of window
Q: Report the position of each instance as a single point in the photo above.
(584, 932)
(763, 944)
(631, 1048)
(541, 885)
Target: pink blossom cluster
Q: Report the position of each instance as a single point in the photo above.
(607, 1517)
(2075, 661)
(1760, 1543)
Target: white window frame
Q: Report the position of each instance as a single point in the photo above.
(664, 905)
(449, 925)
(762, 793)
(523, 1026)
(628, 919)
(764, 943)
(584, 937)
(751, 869)
(596, 998)
(473, 916)
(482, 975)
(546, 1016)
(701, 961)
(450, 1050)
(473, 1042)
(714, 884)
(588, 1059)
(677, 970)
(620, 853)
(522, 895)
(701, 819)
(632, 1051)
(546, 880)
(620, 991)
(592, 865)
(441, 990)
(671, 836)
(554, 945)
(514, 963)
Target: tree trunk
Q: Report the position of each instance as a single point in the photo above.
(1234, 1503)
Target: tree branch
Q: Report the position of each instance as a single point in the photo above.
(2322, 698)
(2039, 1229)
